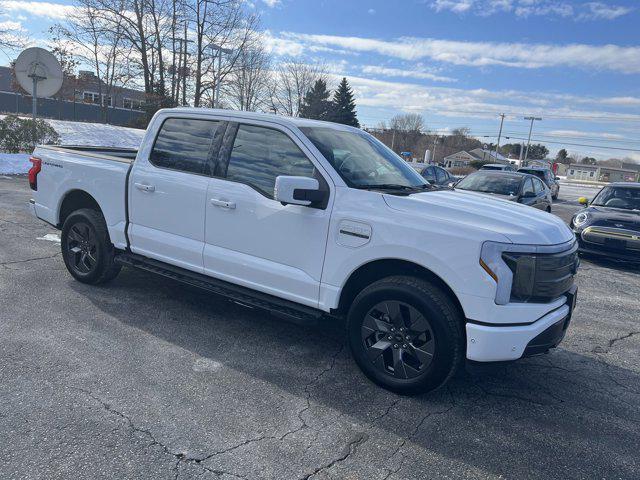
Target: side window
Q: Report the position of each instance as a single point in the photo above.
(261, 154)
(538, 186)
(528, 187)
(184, 144)
(429, 174)
(441, 175)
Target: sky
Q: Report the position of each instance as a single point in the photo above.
(459, 63)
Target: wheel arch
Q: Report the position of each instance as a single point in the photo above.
(74, 200)
(376, 270)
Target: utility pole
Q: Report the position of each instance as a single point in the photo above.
(499, 134)
(526, 153)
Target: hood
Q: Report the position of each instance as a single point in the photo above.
(608, 215)
(519, 223)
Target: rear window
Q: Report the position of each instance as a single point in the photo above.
(184, 144)
(537, 173)
(501, 184)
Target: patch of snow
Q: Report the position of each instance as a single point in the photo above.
(50, 237)
(76, 133)
(14, 163)
(99, 134)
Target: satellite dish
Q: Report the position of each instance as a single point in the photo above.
(39, 73)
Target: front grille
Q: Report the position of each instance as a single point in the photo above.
(541, 277)
(616, 238)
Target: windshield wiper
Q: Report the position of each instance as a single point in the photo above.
(393, 186)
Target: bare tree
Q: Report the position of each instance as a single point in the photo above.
(247, 86)
(290, 83)
(407, 122)
(11, 36)
(99, 43)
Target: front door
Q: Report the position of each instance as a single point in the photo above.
(253, 240)
(168, 193)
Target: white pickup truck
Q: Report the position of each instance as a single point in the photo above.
(308, 219)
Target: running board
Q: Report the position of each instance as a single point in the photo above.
(247, 297)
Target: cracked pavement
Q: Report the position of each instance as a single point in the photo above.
(147, 378)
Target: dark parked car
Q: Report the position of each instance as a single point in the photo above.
(499, 166)
(513, 186)
(434, 174)
(610, 225)
(547, 176)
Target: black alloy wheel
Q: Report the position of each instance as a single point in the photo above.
(398, 339)
(82, 246)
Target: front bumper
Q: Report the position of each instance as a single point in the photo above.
(612, 243)
(487, 343)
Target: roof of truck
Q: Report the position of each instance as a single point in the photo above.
(268, 117)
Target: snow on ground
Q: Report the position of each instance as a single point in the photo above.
(80, 133)
(12, 163)
(76, 133)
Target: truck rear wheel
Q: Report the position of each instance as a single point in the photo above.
(87, 249)
(406, 334)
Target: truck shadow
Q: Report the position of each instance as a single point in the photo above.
(563, 415)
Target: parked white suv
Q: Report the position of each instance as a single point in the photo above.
(308, 219)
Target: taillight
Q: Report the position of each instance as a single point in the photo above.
(34, 171)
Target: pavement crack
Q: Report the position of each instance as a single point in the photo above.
(613, 341)
(348, 450)
(15, 262)
(307, 393)
(180, 457)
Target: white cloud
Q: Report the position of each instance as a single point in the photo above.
(481, 54)
(271, 3)
(54, 11)
(595, 10)
(456, 6)
(405, 73)
(599, 10)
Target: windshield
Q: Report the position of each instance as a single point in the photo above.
(501, 183)
(618, 197)
(361, 160)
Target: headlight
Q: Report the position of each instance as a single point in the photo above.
(492, 262)
(525, 272)
(580, 219)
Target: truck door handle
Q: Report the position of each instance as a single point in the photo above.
(144, 187)
(223, 203)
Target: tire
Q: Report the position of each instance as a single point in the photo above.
(402, 363)
(87, 249)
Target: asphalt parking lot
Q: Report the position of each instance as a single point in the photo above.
(146, 378)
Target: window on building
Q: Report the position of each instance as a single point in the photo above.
(572, 171)
(592, 174)
(91, 97)
(132, 104)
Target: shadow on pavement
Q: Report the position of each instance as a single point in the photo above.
(575, 415)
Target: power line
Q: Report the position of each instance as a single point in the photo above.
(603, 147)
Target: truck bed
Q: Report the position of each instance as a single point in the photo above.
(114, 153)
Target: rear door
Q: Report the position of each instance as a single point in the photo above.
(253, 240)
(168, 192)
(541, 193)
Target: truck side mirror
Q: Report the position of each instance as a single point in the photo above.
(583, 201)
(303, 191)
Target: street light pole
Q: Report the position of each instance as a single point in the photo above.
(526, 153)
(217, 76)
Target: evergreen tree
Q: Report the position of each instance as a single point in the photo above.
(316, 104)
(344, 106)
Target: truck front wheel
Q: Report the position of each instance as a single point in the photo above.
(86, 247)
(406, 334)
